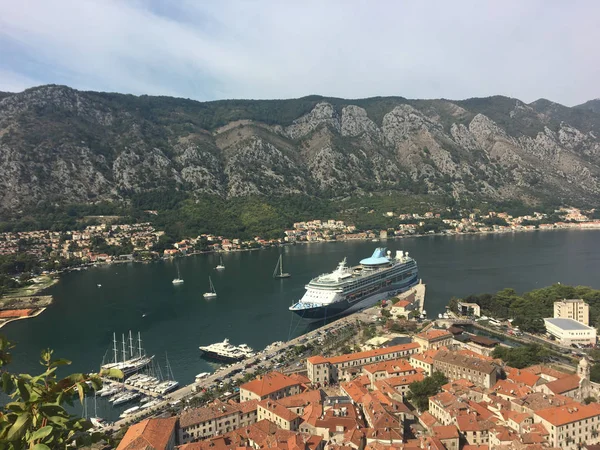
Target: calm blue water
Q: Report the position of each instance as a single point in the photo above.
(251, 307)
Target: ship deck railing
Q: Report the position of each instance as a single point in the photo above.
(341, 281)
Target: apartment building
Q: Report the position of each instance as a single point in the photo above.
(150, 434)
(571, 426)
(328, 370)
(273, 385)
(218, 418)
(278, 414)
(575, 309)
(456, 366)
(434, 339)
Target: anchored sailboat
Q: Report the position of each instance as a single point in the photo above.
(212, 293)
(178, 280)
(220, 266)
(278, 272)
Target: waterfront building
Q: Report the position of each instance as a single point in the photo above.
(434, 339)
(570, 331)
(328, 370)
(575, 309)
(571, 426)
(216, 419)
(150, 434)
(469, 309)
(456, 365)
(273, 385)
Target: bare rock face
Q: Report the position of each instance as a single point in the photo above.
(322, 114)
(356, 122)
(60, 145)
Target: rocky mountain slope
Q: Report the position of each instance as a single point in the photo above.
(60, 145)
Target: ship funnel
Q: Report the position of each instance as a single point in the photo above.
(399, 254)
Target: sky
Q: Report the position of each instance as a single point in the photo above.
(222, 49)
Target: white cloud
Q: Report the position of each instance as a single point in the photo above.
(273, 49)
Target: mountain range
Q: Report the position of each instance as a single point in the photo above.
(59, 145)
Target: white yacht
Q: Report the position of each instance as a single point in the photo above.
(227, 352)
(220, 266)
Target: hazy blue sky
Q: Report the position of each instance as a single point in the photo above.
(275, 49)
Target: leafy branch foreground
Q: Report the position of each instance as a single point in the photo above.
(36, 418)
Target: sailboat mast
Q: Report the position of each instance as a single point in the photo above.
(130, 344)
(280, 264)
(124, 351)
(140, 343)
(115, 347)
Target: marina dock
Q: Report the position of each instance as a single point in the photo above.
(264, 358)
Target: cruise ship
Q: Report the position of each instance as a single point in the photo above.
(348, 289)
(227, 352)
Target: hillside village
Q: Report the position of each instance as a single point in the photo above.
(108, 242)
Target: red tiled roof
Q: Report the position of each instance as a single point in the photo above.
(563, 415)
(374, 353)
(269, 383)
(565, 384)
(544, 370)
(199, 415)
(277, 409)
(434, 335)
(301, 399)
(354, 391)
(390, 366)
(470, 423)
(522, 376)
(445, 432)
(317, 359)
(427, 419)
(403, 380)
(149, 434)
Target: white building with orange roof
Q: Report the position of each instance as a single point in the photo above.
(571, 426)
(275, 412)
(424, 360)
(387, 369)
(400, 384)
(273, 385)
(328, 370)
(433, 339)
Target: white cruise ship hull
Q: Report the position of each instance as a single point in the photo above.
(345, 306)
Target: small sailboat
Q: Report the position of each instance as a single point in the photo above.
(178, 280)
(220, 266)
(278, 272)
(212, 293)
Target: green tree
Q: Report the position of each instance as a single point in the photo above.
(420, 391)
(520, 357)
(35, 417)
